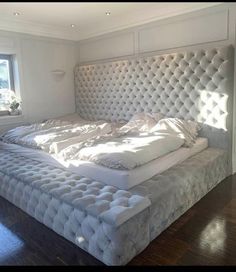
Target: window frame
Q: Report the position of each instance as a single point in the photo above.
(9, 58)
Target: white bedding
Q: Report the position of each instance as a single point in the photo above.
(99, 142)
(123, 179)
(54, 135)
(123, 156)
(136, 143)
(124, 152)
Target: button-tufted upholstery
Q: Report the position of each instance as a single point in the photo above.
(52, 196)
(106, 203)
(86, 212)
(181, 186)
(196, 85)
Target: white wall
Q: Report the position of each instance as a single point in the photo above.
(208, 27)
(43, 96)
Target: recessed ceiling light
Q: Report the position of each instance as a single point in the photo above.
(16, 13)
(72, 25)
(108, 13)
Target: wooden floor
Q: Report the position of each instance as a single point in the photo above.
(205, 235)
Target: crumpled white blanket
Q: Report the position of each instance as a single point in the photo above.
(123, 151)
(54, 135)
(186, 129)
(103, 143)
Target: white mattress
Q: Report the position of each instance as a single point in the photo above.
(123, 179)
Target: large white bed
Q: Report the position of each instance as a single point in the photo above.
(114, 213)
(134, 151)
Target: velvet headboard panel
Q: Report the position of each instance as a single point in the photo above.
(195, 84)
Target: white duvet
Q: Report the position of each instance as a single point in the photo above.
(125, 152)
(54, 135)
(97, 142)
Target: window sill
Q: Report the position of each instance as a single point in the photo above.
(11, 119)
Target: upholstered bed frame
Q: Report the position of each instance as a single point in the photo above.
(193, 84)
(115, 225)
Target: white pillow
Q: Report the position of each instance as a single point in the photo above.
(141, 122)
(186, 129)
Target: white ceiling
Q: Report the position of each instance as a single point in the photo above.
(54, 19)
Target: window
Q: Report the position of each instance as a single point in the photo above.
(8, 99)
(6, 73)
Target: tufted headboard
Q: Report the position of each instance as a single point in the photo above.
(196, 85)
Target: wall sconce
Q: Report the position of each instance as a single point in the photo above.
(58, 74)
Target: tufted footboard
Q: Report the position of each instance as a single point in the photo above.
(98, 218)
(112, 225)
